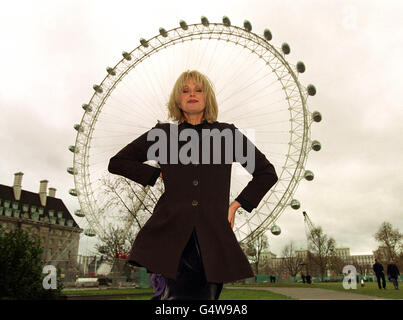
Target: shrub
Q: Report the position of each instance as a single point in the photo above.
(21, 267)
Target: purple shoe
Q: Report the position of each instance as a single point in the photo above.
(158, 283)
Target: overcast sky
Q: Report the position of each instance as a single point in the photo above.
(52, 52)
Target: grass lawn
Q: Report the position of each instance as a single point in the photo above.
(105, 291)
(140, 297)
(226, 294)
(370, 289)
(229, 294)
(238, 294)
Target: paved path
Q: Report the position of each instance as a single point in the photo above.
(313, 293)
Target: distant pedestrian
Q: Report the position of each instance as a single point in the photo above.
(308, 279)
(303, 277)
(378, 269)
(393, 273)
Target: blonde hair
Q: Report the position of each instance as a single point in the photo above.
(211, 109)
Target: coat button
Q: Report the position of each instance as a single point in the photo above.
(195, 182)
(194, 203)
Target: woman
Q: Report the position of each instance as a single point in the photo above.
(188, 241)
(393, 273)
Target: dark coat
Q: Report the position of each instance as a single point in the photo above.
(378, 268)
(392, 271)
(196, 196)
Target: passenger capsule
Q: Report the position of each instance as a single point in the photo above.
(79, 128)
(285, 47)
(97, 88)
(311, 90)
(316, 145)
(247, 25)
(144, 42)
(316, 116)
(79, 213)
(73, 149)
(183, 25)
(226, 21)
(163, 32)
(71, 170)
(111, 71)
(89, 233)
(126, 55)
(275, 230)
(204, 21)
(308, 175)
(267, 34)
(86, 107)
(73, 192)
(295, 204)
(300, 67)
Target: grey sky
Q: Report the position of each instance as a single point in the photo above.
(54, 51)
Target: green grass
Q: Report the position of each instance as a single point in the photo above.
(229, 294)
(140, 297)
(370, 289)
(238, 294)
(105, 291)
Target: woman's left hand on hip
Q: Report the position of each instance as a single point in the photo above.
(231, 212)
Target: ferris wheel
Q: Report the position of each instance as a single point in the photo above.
(257, 89)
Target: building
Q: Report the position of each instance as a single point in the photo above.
(303, 254)
(343, 253)
(266, 256)
(363, 263)
(269, 259)
(45, 215)
(383, 253)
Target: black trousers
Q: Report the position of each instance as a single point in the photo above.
(380, 276)
(395, 282)
(191, 283)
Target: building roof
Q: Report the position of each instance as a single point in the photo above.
(32, 199)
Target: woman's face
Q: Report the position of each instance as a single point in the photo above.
(192, 99)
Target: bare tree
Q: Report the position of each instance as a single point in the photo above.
(337, 264)
(130, 205)
(322, 248)
(114, 247)
(267, 268)
(129, 200)
(254, 249)
(390, 239)
(115, 242)
(292, 263)
(399, 259)
(310, 265)
(360, 266)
